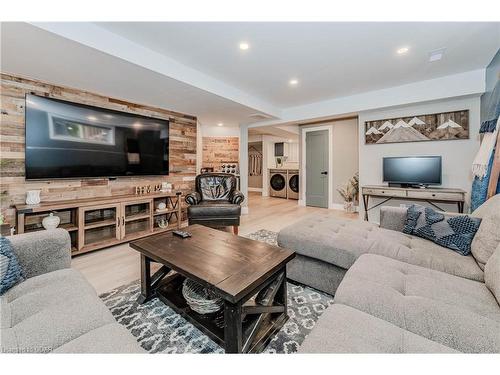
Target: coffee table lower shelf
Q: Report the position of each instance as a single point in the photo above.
(259, 327)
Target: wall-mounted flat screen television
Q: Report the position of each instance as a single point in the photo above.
(70, 140)
(415, 170)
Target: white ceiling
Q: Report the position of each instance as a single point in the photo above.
(331, 60)
(31, 52)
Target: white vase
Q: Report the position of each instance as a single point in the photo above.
(161, 206)
(349, 206)
(33, 196)
(51, 221)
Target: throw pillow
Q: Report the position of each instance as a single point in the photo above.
(455, 233)
(10, 270)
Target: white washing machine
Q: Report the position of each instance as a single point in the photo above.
(278, 183)
(293, 184)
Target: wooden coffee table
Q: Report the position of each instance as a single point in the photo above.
(250, 276)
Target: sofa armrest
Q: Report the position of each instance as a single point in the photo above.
(393, 218)
(193, 198)
(43, 251)
(237, 197)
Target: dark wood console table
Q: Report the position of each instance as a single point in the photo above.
(429, 195)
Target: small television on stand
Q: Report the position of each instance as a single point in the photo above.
(412, 171)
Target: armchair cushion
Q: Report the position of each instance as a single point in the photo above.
(193, 198)
(237, 197)
(214, 209)
(215, 186)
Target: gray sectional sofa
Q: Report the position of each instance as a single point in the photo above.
(55, 309)
(395, 292)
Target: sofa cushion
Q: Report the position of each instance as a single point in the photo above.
(453, 311)
(110, 338)
(10, 270)
(40, 292)
(49, 310)
(214, 209)
(341, 241)
(455, 233)
(487, 237)
(492, 274)
(343, 329)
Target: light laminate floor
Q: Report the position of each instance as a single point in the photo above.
(109, 268)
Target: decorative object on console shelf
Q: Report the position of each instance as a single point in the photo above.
(161, 206)
(166, 187)
(51, 222)
(162, 223)
(433, 127)
(455, 233)
(33, 197)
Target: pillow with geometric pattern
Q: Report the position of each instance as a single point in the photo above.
(455, 233)
(10, 270)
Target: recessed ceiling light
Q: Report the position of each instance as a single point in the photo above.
(91, 118)
(436, 54)
(244, 46)
(293, 82)
(402, 50)
(220, 124)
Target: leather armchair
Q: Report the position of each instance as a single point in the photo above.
(216, 202)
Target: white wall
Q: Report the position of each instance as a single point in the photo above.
(220, 131)
(344, 154)
(457, 155)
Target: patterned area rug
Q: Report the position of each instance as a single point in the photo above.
(160, 330)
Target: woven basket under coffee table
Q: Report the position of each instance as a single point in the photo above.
(200, 299)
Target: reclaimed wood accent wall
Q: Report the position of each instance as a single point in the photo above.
(220, 150)
(13, 186)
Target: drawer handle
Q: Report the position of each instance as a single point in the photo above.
(433, 195)
(383, 192)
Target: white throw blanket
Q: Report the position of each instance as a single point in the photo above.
(480, 164)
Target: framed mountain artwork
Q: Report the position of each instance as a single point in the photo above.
(433, 127)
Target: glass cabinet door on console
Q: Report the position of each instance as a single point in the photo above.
(99, 225)
(136, 218)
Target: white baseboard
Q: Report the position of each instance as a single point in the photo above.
(258, 190)
(336, 206)
(244, 210)
(302, 203)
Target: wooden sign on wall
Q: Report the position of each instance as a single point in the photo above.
(433, 127)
